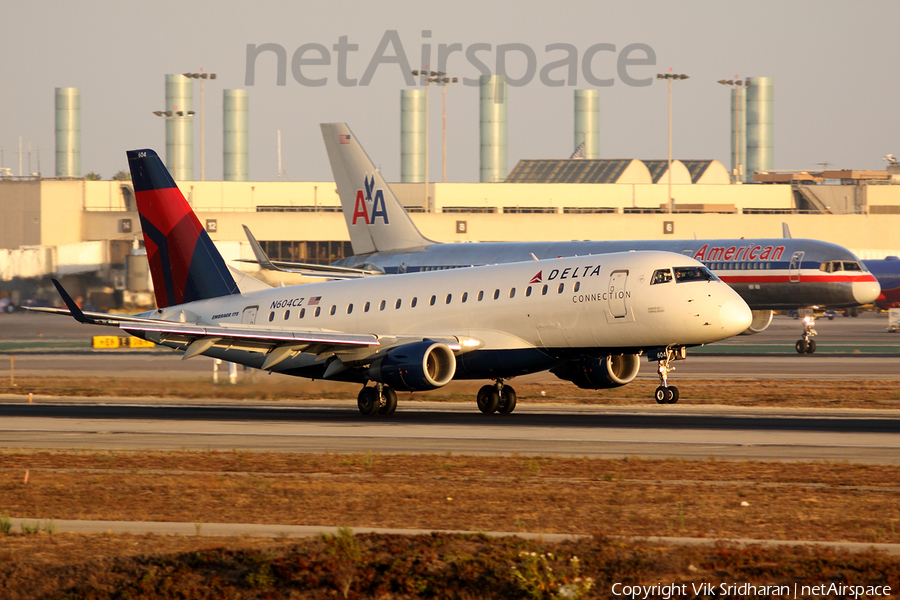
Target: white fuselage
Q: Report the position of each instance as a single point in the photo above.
(560, 307)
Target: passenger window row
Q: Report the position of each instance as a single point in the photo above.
(432, 301)
(740, 266)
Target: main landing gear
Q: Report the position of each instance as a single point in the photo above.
(807, 345)
(665, 393)
(377, 400)
(496, 398)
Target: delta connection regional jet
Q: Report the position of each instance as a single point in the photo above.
(587, 318)
(769, 274)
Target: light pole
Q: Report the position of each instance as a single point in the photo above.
(737, 166)
(202, 77)
(669, 77)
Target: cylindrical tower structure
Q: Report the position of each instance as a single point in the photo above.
(235, 135)
(760, 126)
(739, 133)
(68, 132)
(412, 136)
(180, 127)
(587, 122)
(493, 128)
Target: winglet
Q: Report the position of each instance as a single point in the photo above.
(262, 258)
(785, 231)
(70, 304)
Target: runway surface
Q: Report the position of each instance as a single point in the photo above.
(336, 426)
(427, 427)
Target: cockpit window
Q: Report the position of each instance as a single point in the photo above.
(661, 276)
(685, 274)
(837, 266)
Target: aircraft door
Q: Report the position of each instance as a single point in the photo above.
(617, 282)
(794, 270)
(248, 317)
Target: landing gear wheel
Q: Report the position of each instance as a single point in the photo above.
(367, 401)
(507, 402)
(671, 395)
(801, 346)
(811, 346)
(488, 399)
(390, 402)
(661, 395)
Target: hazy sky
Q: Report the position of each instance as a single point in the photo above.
(833, 63)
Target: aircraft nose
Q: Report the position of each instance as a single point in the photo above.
(735, 316)
(866, 291)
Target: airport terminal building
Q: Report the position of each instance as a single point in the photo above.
(89, 231)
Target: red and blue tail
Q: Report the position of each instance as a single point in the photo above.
(184, 263)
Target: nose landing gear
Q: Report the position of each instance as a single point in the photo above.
(666, 394)
(807, 345)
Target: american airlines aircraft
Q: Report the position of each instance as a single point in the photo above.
(769, 274)
(587, 319)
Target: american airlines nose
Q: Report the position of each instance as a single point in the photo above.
(735, 316)
(866, 290)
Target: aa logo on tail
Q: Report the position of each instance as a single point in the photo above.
(368, 207)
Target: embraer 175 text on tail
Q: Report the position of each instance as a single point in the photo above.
(588, 318)
(769, 274)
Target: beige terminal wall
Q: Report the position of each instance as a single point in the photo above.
(20, 213)
(850, 231)
(612, 195)
(246, 196)
(50, 213)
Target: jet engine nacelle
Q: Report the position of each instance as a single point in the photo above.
(416, 367)
(761, 320)
(600, 373)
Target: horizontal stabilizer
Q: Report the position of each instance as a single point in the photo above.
(307, 269)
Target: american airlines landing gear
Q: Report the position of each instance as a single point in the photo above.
(496, 398)
(807, 345)
(665, 393)
(388, 403)
(367, 401)
(379, 399)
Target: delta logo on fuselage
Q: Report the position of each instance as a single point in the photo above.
(567, 273)
(739, 253)
(368, 206)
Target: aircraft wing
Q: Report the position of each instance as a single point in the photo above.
(94, 318)
(307, 269)
(175, 331)
(277, 344)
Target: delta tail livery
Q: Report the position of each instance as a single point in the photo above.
(769, 274)
(587, 319)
